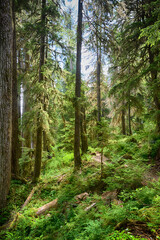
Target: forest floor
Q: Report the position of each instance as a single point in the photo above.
(97, 158)
(120, 201)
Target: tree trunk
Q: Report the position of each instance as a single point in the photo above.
(123, 122)
(45, 145)
(129, 117)
(6, 41)
(39, 135)
(19, 100)
(123, 117)
(98, 86)
(155, 88)
(27, 165)
(129, 114)
(101, 163)
(15, 130)
(26, 108)
(83, 131)
(77, 157)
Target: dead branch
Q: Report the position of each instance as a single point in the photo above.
(89, 207)
(47, 206)
(28, 198)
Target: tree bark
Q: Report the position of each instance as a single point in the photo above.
(45, 145)
(15, 115)
(84, 141)
(44, 133)
(26, 108)
(101, 163)
(77, 157)
(39, 133)
(98, 86)
(19, 99)
(6, 42)
(155, 88)
(129, 115)
(26, 167)
(123, 122)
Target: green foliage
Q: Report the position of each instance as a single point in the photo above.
(126, 176)
(26, 160)
(124, 235)
(17, 196)
(102, 130)
(133, 87)
(60, 160)
(154, 145)
(71, 221)
(67, 136)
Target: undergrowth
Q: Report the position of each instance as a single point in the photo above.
(122, 196)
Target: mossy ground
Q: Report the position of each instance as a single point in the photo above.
(130, 210)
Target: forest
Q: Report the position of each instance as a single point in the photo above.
(79, 119)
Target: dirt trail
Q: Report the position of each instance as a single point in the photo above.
(151, 175)
(97, 158)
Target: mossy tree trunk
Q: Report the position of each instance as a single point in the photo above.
(6, 46)
(27, 165)
(129, 114)
(123, 116)
(26, 107)
(155, 86)
(98, 85)
(84, 141)
(15, 114)
(123, 122)
(77, 156)
(45, 145)
(39, 132)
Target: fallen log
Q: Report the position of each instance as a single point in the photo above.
(28, 198)
(11, 223)
(47, 206)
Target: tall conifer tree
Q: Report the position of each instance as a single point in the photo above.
(39, 133)
(15, 115)
(6, 38)
(77, 157)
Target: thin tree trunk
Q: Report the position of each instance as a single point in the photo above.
(129, 116)
(77, 157)
(155, 89)
(70, 51)
(44, 133)
(26, 108)
(123, 122)
(26, 167)
(45, 147)
(19, 100)
(15, 130)
(39, 133)
(101, 163)
(83, 131)
(98, 86)
(6, 41)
